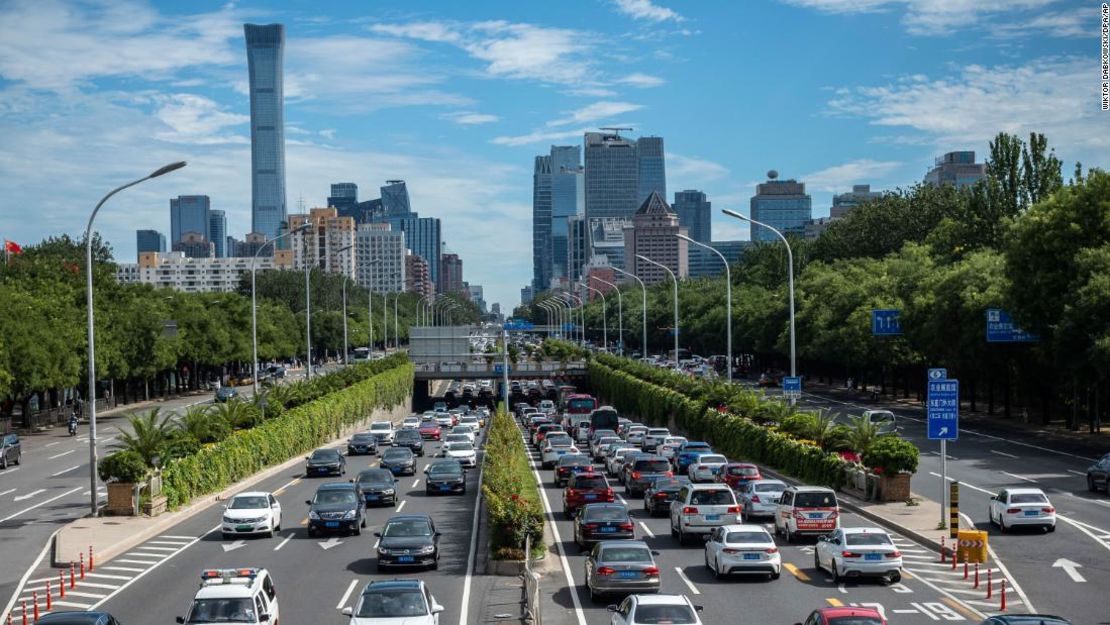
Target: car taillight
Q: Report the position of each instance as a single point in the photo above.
(849, 554)
(589, 526)
(771, 550)
(636, 475)
(894, 554)
(626, 526)
(604, 570)
(609, 493)
(1048, 510)
(571, 492)
(730, 550)
(652, 571)
(689, 510)
(660, 495)
(733, 510)
(755, 499)
(1013, 510)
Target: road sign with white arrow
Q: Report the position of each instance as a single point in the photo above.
(235, 545)
(1071, 568)
(332, 542)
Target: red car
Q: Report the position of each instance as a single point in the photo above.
(429, 430)
(736, 474)
(845, 616)
(585, 488)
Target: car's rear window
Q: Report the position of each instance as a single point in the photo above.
(606, 514)
(574, 461)
(590, 482)
(855, 620)
(656, 465)
(696, 448)
(747, 537)
(814, 500)
(625, 554)
(665, 615)
(866, 540)
(712, 459)
(1028, 498)
(659, 432)
(715, 497)
(770, 487)
(743, 471)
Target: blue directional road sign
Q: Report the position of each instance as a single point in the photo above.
(792, 386)
(518, 325)
(886, 322)
(938, 373)
(943, 405)
(499, 369)
(1001, 329)
(569, 327)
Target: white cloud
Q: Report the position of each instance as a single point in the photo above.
(687, 170)
(328, 133)
(470, 118)
(589, 92)
(641, 80)
(938, 17)
(840, 178)
(646, 10)
(595, 112)
(197, 120)
(538, 136)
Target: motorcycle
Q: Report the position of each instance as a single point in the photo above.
(73, 427)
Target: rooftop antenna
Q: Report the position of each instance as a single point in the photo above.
(300, 202)
(616, 129)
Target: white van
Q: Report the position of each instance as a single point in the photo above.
(807, 511)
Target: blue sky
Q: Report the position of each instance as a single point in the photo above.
(457, 98)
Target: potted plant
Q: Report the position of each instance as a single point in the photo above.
(895, 461)
(122, 471)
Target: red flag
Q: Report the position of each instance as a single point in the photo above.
(12, 247)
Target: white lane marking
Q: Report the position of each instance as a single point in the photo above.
(73, 468)
(1002, 567)
(87, 595)
(646, 530)
(621, 499)
(185, 538)
(9, 491)
(73, 604)
(175, 543)
(27, 574)
(107, 576)
(1019, 477)
(416, 483)
(1002, 453)
(971, 486)
(1079, 473)
(133, 561)
(402, 505)
(129, 569)
(1083, 527)
(41, 503)
(472, 554)
(841, 589)
(96, 585)
(347, 595)
(51, 444)
(376, 541)
(64, 453)
(132, 580)
(149, 547)
(693, 588)
(29, 495)
(287, 539)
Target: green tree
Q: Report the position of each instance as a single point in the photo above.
(150, 432)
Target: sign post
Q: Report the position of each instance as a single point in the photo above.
(792, 387)
(943, 403)
(953, 509)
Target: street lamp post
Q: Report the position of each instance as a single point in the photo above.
(643, 289)
(620, 314)
(396, 331)
(675, 279)
(345, 343)
(790, 275)
(308, 313)
(91, 395)
(370, 305)
(604, 315)
(728, 297)
(254, 301)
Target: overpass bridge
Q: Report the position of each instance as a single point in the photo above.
(479, 369)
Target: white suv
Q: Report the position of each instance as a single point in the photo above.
(383, 431)
(245, 595)
(698, 508)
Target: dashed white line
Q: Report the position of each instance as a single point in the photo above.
(416, 483)
(693, 588)
(287, 539)
(128, 569)
(1004, 454)
(402, 505)
(7, 492)
(1019, 477)
(41, 503)
(63, 471)
(646, 530)
(51, 444)
(64, 453)
(347, 595)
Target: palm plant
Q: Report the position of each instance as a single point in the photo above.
(149, 434)
(862, 435)
(826, 432)
(203, 424)
(238, 413)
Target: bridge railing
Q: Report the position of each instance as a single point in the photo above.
(494, 368)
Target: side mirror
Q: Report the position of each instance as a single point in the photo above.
(225, 507)
(263, 617)
(351, 611)
(655, 553)
(308, 502)
(352, 480)
(699, 608)
(438, 534)
(306, 457)
(436, 609)
(612, 607)
(180, 619)
(378, 534)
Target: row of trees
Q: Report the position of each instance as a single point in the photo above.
(1022, 240)
(43, 343)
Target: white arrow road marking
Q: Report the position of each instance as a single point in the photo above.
(332, 542)
(806, 550)
(29, 495)
(235, 545)
(1071, 568)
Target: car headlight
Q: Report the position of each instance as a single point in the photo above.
(228, 520)
(313, 515)
(382, 551)
(426, 549)
(388, 491)
(350, 514)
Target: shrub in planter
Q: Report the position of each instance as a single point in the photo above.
(891, 455)
(125, 467)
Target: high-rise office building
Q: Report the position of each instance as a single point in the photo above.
(322, 245)
(217, 232)
(612, 176)
(450, 274)
(541, 223)
(652, 235)
(845, 202)
(782, 204)
(653, 172)
(265, 52)
(189, 213)
(423, 235)
(526, 295)
(693, 211)
(195, 245)
(344, 199)
(956, 168)
(707, 264)
(380, 258)
(567, 200)
(477, 295)
(150, 241)
(395, 199)
(578, 246)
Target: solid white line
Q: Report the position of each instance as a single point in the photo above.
(144, 573)
(146, 548)
(1002, 453)
(1080, 526)
(27, 574)
(282, 543)
(347, 595)
(128, 569)
(106, 576)
(95, 585)
(402, 505)
(41, 503)
(646, 530)
(64, 453)
(10, 490)
(89, 595)
(133, 561)
(693, 588)
(1002, 567)
(73, 468)
(472, 554)
(621, 499)
(1079, 473)
(1019, 477)
(971, 486)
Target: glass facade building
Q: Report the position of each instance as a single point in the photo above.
(265, 51)
(424, 237)
(189, 213)
(653, 172)
(566, 201)
(395, 199)
(344, 198)
(956, 168)
(217, 232)
(150, 241)
(693, 210)
(781, 204)
(541, 223)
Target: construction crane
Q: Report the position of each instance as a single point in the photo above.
(616, 129)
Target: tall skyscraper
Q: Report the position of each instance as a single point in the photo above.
(652, 234)
(189, 213)
(541, 223)
(567, 200)
(845, 202)
(265, 52)
(150, 241)
(693, 211)
(653, 172)
(450, 274)
(956, 168)
(395, 199)
(782, 204)
(344, 198)
(612, 176)
(424, 237)
(217, 232)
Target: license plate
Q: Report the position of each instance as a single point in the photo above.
(751, 556)
(589, 497)
(243, 528)
(560, 453)
(607, 530)
(445, 487)
(405, 559)
(816, 515)
(371, 498)
(712, 517)
(331, 524)
(873, 556)
(628, 574)
(1031, 513)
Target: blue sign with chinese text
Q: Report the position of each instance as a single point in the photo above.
(943, 404)
(886, 322)
(1001, 329)
(792, 386)
(499, 369)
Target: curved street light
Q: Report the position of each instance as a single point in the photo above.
(604, 315)
(91, 332)
(643, 289)
(576, 303)
(728, 297)
(674, 278)
(620, 314)
(345, 278)
(254, 299)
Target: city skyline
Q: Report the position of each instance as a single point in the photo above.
(458, 99)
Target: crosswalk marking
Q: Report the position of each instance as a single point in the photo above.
(129, 569)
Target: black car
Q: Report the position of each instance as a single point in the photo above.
(1021, 619)
(325, 462)
(378, 486)
(362, 443)
(78, 618)
(444, 477)
(660, 493)
(11, 450)
(337, 507)
(1098, 475)
(602, 521)
(399, 460)
(571, 464)
(408, 540)
(226, 393)
(410, 439)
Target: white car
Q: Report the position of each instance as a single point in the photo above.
(1013, 507)
(556, 447)
(445, 420)
(883, 420)
(699, 508)
(410, 423)
(614, 463)
(669, 446)
(471, 420)
(759, 497)
(597, 447)
(655, 609)
(456, 438)
(251, 513)
(636, 434)
(547, 407)
(705, 467)
(859, 552)
(742, 549)
(465, 429)
(653, 437)
(383, 431)
(462, 451)
(245, 595)
(395, 601)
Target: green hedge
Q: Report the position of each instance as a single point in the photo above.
(296, 432)
(511, 493)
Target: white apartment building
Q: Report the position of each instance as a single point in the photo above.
(195, 275)
(380, 258)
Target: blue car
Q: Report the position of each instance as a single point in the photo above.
(688, 453)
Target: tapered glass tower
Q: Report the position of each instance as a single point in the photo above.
(265, 50)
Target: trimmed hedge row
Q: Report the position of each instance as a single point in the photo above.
(296, 432)
(511, 493)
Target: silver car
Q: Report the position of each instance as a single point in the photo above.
(883, 420)
(621, 566)
(654, 438)
(759, 497)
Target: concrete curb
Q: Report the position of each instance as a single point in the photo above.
(62, 554)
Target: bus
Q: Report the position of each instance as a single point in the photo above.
(603, 418)
(360, 354)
